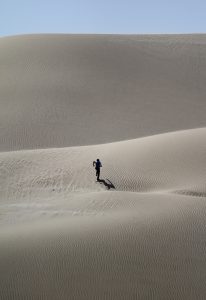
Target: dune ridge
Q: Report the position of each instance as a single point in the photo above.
(166, 162)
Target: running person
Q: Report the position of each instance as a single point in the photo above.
(97, 165)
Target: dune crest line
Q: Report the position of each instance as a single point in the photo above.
(166, 163)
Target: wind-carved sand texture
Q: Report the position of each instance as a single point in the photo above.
(137, 103)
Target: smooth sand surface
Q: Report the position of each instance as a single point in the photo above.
(69, 90)
(135, 102)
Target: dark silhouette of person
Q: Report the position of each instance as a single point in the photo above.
(97, 165)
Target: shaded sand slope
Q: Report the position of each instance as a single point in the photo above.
(153, 247)
(69, 90)
(63, 236)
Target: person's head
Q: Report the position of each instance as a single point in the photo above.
(97, 159)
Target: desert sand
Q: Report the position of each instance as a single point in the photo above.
(138, 103)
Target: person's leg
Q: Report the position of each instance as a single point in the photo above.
(98, 173)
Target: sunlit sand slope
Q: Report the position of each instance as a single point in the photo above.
(171, 162)
(69, 90)
(64, 236)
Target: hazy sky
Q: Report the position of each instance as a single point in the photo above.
(102, 16)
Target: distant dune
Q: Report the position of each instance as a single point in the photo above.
(69, 90)
(137, 103)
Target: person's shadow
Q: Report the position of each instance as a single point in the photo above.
(107, 183)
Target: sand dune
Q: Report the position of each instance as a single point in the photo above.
(163, 163)
(155, 250)
(107, 87)
(71, 236)
(66, 100)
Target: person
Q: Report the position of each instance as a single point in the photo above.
(97, 165)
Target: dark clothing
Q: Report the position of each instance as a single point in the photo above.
(97, 172)
(97, 165)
